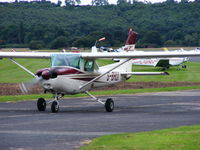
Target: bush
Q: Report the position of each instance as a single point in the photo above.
(36, 45)
(59, 42)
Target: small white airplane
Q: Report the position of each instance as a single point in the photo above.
(72, 73)
(164, 63)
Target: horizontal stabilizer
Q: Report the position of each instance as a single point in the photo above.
(163, 63)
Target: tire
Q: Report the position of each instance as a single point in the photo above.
(184, 66)
(54, 107)
(41, 104)
(109, 105)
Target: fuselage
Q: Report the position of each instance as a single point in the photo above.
(154, 61)
(68, 77)
(70, 83)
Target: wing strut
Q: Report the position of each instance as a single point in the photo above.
(91, 81)
(22, 67)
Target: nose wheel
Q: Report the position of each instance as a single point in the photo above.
(41, 104)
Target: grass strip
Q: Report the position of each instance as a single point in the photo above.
(97, 93)
(182, 138)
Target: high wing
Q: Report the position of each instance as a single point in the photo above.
(25, 55)
(101, 55)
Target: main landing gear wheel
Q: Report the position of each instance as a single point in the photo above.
(55, 107)
(41, 104)
(184, 66)
(109, 105)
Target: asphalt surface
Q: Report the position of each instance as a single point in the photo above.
(22, 127)
(194, 59)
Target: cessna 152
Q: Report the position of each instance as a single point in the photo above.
(72, 73)
(164, 63)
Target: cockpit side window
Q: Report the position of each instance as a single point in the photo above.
(89, 65)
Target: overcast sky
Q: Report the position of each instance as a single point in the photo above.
(85, 2)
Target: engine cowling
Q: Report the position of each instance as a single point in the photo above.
(52, 73)
(47, 73)
(39, 72)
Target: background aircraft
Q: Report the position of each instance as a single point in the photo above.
(164, 63)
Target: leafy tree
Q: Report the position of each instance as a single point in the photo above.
(34, 45)
(121, 1)
(100, 2)
(21, 34)
(72, 2)
(184, 1)
(78, 2)
(69, 2)
(10, 34)
(170, 43)
(59, 3)
(152, 39)
(59, 42)
(170, 1)
(176, 23)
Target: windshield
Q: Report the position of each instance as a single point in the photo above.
(72, 60)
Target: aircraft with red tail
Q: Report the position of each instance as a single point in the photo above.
(164, 63)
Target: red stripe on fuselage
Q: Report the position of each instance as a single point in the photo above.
(65, 70)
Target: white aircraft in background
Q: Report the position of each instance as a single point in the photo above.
(165, 63)
(73, 73)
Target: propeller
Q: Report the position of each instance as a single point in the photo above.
(41, 75)
(25, 87)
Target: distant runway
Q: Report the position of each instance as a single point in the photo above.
(81, 119)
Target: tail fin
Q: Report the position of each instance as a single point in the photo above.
(94, 48)
(131, 40)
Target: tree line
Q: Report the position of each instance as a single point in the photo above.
(42, 24)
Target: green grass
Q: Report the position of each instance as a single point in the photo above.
(190, 74)
(182, 138)
(96, 93)
(10, 73)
